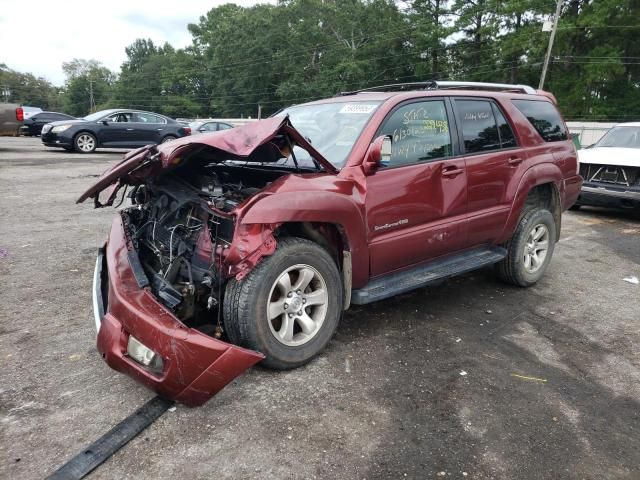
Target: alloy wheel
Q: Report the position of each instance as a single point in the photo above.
(535, 248)
(86, 143)
(297, 305)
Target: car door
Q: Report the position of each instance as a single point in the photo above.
(149, 128)
(116, 130)
(492, 157)
(416, 204)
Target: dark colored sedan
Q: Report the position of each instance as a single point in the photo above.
(32, 126)
(114, 128)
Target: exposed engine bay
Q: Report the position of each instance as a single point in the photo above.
(181, 225)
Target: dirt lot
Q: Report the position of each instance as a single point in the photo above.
(551, 389)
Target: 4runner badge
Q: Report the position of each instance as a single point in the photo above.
(390, 225)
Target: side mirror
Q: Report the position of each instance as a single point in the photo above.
(379, 153)
(201, 130)
(105, 122)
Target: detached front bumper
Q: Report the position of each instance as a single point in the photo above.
(195, 366)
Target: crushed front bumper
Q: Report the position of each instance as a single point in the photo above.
(195, 366)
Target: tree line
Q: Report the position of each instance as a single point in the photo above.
(300, 50)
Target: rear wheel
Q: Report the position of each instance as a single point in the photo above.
(530, 249)
(84, 142)
(288, 307)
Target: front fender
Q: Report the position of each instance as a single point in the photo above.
(318, 206)
(537, 175)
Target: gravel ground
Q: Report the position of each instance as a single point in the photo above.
(470, 379)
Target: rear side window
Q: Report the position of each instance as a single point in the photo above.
(545, 119)
(147, 118)
(479, 127)
(59, 116)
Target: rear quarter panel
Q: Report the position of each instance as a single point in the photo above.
(546, 162)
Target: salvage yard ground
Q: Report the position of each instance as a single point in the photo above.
(469, 379)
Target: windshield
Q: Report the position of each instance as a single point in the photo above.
(622, 137)
(332, 128)
(98, 115)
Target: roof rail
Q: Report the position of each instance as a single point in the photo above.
(394, 87)
(504, 87)
(444, 85)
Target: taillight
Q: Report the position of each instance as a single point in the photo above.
(187, 130)
(19, 114)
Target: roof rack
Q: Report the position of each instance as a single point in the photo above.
(446, 85)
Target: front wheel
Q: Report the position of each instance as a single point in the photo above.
(288, 307)
(530, 249)
(168, 138)
(85, 143)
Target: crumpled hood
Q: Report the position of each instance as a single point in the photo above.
(237, 143)
(623, 157)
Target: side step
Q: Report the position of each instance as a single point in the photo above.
(426, 274)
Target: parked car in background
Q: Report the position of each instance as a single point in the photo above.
(33, 125)
(611, 169)
(11, 118)
(247, 245)
(115, 128)
(30, 111)
(202, 126)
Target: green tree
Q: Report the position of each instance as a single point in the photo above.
(88, 86)
(27, 89)
(594, 71)
(160, 79)
(431, 24)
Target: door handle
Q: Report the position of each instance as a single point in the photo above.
(129, 129)
(451, 171)
(513, 161)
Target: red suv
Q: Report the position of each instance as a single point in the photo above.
(246, 245)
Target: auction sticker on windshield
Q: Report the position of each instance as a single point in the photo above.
(358, 108)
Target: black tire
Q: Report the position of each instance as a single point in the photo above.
(575, 206)
(168, 138)
(85, 142)
(513, 268)
(245, 303)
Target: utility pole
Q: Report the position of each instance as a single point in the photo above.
(92, 103)
(551, 38)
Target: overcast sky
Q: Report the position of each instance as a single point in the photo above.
(37, 36)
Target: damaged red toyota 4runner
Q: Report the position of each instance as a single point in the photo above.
(246, 245)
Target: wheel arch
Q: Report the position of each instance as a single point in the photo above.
(86, 130)
(541, 184)
(325, 217)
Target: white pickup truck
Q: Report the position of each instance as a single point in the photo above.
(11, 118)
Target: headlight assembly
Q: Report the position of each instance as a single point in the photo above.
(60, 128)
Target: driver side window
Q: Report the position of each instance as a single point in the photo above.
(420, 133)
(119, 117)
